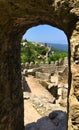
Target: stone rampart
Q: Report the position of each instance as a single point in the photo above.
(16, 17)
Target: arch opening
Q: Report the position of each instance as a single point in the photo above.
(51, 77)
(16, 18)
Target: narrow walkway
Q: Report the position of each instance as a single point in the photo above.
(30, 114)
(33, 120)
(37, 89)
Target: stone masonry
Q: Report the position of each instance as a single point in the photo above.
(16, 17)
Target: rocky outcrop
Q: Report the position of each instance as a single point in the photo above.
(16, 18)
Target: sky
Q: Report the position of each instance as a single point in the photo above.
(45, 33)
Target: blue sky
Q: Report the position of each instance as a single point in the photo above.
(45, 33)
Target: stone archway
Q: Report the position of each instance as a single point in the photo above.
(16, 18)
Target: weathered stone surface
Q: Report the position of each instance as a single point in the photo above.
(46, 123)
(44, 83)
(43, 76)
(54, 79)
(16, 18)
(74, 92)
(11, 103)
(24, 72)
(75, 117)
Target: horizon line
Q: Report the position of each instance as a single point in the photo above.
(46, 42)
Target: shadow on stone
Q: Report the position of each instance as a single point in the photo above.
(25, 85)
(57, 120)
(54, 90)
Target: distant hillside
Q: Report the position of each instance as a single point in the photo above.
(35, 52)
(61, 47)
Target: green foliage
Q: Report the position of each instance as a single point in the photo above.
(30, 52)
(23, 40)
(27, 54)
(56, 56)
(41, 50)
